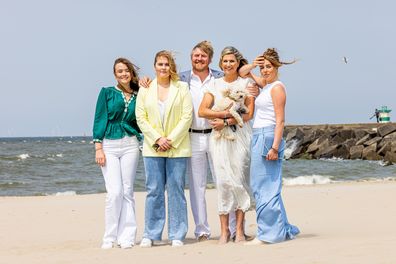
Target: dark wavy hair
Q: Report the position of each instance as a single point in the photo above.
(133, 69)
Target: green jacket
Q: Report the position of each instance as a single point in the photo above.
(114, 117)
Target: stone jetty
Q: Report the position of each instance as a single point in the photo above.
(346, 141)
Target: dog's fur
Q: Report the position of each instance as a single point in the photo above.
(234, 99)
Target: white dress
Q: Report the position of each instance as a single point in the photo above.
(231, 160)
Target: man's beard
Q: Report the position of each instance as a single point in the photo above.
(200, 69)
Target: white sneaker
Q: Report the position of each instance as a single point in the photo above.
(126, 246)
(146, 243)
(107, 245)
(177, 243)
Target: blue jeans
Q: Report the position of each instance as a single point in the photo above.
(169, 173)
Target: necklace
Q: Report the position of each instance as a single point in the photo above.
(127, 101)
(126, 96)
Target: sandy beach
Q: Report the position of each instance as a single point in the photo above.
(339, 223)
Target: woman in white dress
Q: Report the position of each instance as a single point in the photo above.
(230, 157)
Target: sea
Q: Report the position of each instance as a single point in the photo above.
(41, 166)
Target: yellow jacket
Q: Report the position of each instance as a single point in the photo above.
(177, 119)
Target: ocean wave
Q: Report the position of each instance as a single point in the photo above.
(321, 179)
(308, 180)
(384, 163)
(66, 193)
(74, 181)
(333, 159)
(377, 179)
(23, 156)
(11, 184)
(291, 146)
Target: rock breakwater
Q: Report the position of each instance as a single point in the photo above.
(346, 141)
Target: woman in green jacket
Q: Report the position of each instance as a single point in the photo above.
(116, 136)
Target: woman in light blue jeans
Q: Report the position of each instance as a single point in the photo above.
(164, 114)
(267, 150)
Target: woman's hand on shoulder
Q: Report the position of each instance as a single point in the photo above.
(253, 89)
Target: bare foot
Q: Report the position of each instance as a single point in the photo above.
(239, 238)
(224, 238)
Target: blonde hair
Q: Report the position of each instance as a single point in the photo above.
(173, 69)
(233, 51)
(206, 47)
(271, 55)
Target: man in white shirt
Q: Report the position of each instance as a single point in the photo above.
(198, 78)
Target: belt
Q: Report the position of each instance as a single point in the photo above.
(202, 131)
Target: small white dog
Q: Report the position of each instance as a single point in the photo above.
(234, 99)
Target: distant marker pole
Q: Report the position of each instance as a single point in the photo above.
(384, 116)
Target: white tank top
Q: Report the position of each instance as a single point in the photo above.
(264, 107)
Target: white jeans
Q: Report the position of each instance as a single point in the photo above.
(122, 157)
(198, 173)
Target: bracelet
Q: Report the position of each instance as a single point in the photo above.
(274, 149)
(98, 149)
(225, 122)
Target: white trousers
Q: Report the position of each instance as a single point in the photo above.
(198, 174)
(122, 157)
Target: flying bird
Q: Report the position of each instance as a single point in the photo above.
(345, 59)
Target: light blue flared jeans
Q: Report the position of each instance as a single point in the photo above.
(266, 184)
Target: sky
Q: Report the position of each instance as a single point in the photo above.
(56, 55)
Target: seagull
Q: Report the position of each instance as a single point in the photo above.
(345, 59)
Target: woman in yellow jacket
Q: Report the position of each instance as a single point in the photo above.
(164, 115)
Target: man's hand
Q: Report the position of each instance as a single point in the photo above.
(144, 82)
